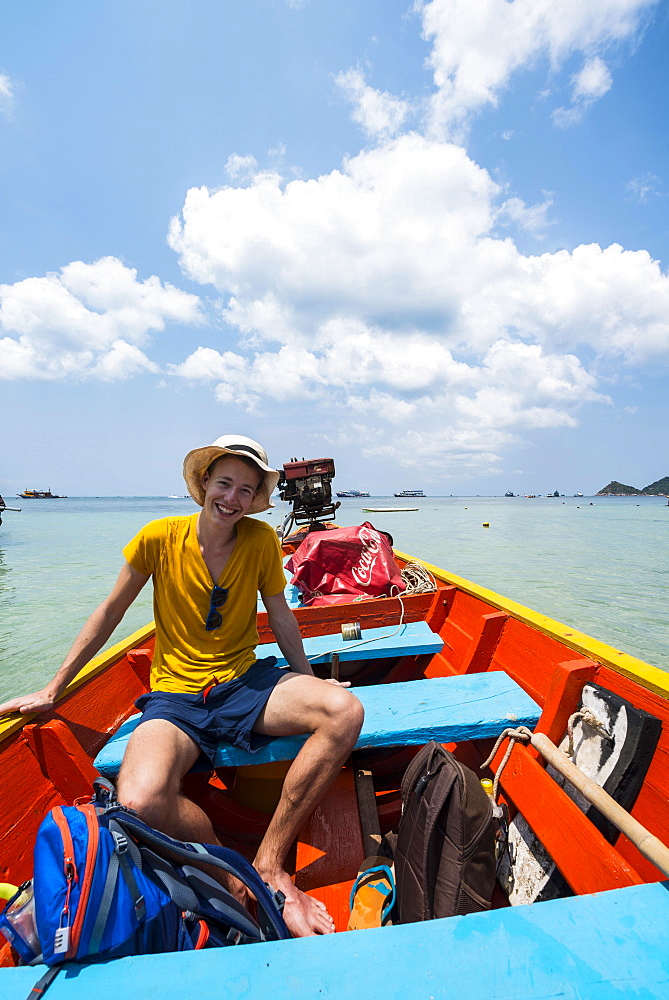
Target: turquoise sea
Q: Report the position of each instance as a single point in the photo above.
(598, 564)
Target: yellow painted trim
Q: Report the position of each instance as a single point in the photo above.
(649, 677)
(12, 723)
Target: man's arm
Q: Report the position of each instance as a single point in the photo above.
(90, 641)
(287, 634)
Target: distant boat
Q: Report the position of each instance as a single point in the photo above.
(509, 494)
(41, 495)
(352, 493)
(410, 493)
(388, 510)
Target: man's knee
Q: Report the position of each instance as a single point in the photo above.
(345, 714)
(152, 802)
(156, 758)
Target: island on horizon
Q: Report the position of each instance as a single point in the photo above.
(660, 488)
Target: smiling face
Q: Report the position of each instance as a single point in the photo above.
(230, 486)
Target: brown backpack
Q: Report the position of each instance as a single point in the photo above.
(445, 850)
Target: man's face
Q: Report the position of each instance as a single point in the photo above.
(230, 487)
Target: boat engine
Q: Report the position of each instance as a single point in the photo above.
(307, 486)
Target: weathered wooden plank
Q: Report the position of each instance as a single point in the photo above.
(446, 709)
(329, 844)
(611, 944)
(369, 817)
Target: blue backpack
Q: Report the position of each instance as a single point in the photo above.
(107, 885)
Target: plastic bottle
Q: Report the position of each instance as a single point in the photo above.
(17, 923)
(498, 815)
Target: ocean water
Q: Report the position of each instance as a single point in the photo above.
(597, 564)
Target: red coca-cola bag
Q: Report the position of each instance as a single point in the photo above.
(332, 567)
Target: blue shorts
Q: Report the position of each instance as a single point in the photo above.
(227, 713)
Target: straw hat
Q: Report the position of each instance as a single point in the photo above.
(198, 461)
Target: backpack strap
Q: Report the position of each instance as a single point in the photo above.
(118, 862)
(105, 905)
(121, 852)
(43, 984)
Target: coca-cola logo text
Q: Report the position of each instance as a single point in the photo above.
(371, 546)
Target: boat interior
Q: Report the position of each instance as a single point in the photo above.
(457, 664)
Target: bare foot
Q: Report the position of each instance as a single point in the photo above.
(304, 915)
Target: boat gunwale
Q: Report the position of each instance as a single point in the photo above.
(645, 674)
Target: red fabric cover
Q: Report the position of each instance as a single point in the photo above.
(333, 567)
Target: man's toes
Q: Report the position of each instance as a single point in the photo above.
(323, 924)
(319, 918)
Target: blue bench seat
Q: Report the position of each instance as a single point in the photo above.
(446, 709)
(410, 639)
(609, 945)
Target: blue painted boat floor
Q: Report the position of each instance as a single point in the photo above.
(609, 946)
(446, 709)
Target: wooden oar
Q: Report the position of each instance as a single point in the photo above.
(643, 839)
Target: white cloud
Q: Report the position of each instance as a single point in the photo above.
(533, 218)
(241, 167)
(477, 47)
(642, 188)
(591, 83)
(86, 320)
(382, 289)
(401, 239)
(6, 96)
(378, 113)
(122, 361)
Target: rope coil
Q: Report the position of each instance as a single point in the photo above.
(418, 579)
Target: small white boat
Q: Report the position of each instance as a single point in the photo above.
(383, 510)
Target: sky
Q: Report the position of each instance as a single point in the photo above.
(427, 239)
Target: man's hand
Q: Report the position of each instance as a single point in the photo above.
(341, 684)
(28, 704)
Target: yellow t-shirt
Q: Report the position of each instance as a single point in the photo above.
(187, 658)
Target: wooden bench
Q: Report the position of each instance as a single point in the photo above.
(446, 709)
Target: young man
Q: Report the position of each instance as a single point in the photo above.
(206, 684)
